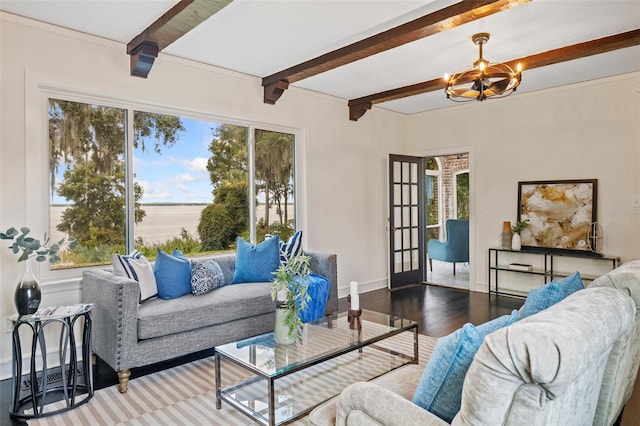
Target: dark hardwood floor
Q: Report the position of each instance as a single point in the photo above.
(438, 311)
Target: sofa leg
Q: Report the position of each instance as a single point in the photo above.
(454, 268)
(94, 359)
(123, 377)
(430, 264)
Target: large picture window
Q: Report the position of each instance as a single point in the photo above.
(169, 182)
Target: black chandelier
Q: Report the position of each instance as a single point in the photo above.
(483, 80)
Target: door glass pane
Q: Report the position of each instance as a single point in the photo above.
(397, 240)
(398, 261)
(414, 194)
(406, 194)
(405, 172)
(414, 173)
(415, 259)
(396, 171)
(397, 194)
(405, 216)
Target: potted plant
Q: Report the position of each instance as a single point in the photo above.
(290, 292)
(27, 294)
(516, 240)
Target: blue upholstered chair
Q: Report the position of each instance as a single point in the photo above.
(455, 249)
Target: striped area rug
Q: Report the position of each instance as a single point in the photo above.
(185, 395)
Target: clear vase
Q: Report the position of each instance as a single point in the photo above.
(282, 332)
(27, 295)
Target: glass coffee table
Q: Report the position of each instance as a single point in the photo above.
(277, 384)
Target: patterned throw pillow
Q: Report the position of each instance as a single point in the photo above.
(205, 276)
(291, 248)
(138, 268)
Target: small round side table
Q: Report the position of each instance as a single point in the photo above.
(71, 381)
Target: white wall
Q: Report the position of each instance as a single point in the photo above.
(582, 131)
(342, 175)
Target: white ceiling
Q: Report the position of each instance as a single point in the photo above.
(262, 37)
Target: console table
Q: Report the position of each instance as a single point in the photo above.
(516, 268)
(71, 381)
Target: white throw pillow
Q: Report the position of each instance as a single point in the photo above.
(138, 268)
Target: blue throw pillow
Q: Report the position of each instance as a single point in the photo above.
(549, 294)
(205, 276)
(440, 388)
(291, 248)
(173, 275)
(256, 263)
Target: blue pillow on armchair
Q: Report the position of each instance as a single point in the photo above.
(440, 388)
(256, 263)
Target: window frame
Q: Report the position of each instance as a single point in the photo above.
(37, 199)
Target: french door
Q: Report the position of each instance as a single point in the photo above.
(406, 220)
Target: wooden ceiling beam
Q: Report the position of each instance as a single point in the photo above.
(550, 57)
(450, 17)
(176, 22)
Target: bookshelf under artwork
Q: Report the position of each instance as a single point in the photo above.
(515, 273)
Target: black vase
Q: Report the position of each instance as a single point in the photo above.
(27, 295)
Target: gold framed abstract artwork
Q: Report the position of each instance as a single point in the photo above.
(559, 213)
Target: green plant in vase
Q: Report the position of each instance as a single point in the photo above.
(27, 294)
(520, 226)
(290, 291)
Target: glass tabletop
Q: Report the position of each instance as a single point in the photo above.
(318, 340)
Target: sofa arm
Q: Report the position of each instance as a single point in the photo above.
(326, 264)
(115, 313)
(365, 403)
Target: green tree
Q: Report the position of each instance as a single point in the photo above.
(90, 141)
(98, 214)
(225, 219)
(462, 195)
(229, 159)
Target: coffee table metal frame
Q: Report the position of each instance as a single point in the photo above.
(358, 345)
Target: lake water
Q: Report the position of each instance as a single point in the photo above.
(164, 221)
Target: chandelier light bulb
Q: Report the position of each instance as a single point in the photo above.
(446, 77)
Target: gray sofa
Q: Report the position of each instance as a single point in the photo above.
(574, 363)
(127, 334)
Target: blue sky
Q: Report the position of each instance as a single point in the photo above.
(178, 174)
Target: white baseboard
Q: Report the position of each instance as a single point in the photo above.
(364, 287)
